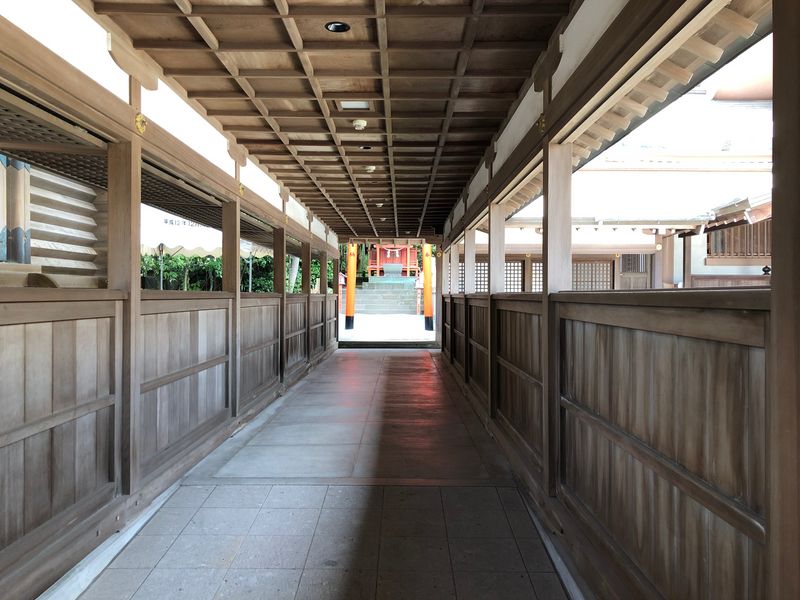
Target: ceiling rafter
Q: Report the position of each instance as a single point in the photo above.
(383, 43)
(213, 44)
(468, 41)
(297, 41)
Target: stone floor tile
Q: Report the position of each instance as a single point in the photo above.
(534, 555)
(356, 551)
(201, 551)
(259, 584)
(237, 496)
(335, 584)
(221, 521)
(521, 524)
(168, 521)
(414, 554)
(471, 498)
(272, 552)
(296, 496)
(400, 585)
(547, 586)
(302, 434)
(116, 584)
(180, 584)
(485, 554)
(285, 521)
(143, 552)
(413, 522)
(354, 496)
(480, 523)
(493, 586)
(292, 461)
(189, 496)
(412, 497)
(349, 521)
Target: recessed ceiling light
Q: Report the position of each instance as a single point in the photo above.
(337, 26)
(383, 218)
(379, 204)
(366, 147)
(359, 124)
(407, 232)
(354, 104)
(370, 169)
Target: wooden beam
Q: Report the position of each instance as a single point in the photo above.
(469, 261)
(279, 286)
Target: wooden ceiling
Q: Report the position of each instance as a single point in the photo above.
(433, 80)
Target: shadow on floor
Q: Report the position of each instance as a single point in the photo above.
(371, 479)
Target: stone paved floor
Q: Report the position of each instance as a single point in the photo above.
(371, 479)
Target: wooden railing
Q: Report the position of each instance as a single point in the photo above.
(751, 239)
(654, 430)
(317, 324)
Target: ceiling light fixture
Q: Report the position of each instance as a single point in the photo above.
(359, 124)
(379, 204)
(383, 218)
(337, 27)
(366, 147)
(370, 168)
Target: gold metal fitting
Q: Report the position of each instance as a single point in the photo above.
(141, 123)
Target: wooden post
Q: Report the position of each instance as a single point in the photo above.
(527, 274)
(658, 264)
(497, 249)
(455, 259)
(18, 203)
(231, 282)
(783, 412)
(469, 261)
(305, 264)
(439, 297)
(337, 293)
(687, 261)
(3, 220)
(323, 289)
(124, 273)
(444, 273)
(279, 285)
(557, 276)
(350, 311)
(427, 287)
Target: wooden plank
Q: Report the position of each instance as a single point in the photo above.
(736, 327)
(739, 299)
(13, 313)
(164, 380)
(161, 307)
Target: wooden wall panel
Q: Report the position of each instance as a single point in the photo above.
(296, 347)
(331, 314)
(664, 450)
(518, 387)
(260, 339)
(56, 415)
(458, 328)
(184, 358)
(317, 316)
(478, 357)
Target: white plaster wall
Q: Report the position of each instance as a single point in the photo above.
(478, 183)
(520, 123)
(583, 32)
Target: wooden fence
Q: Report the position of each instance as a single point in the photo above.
(653, 430)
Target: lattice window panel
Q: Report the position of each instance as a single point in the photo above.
(513, 270)
(592, 275)
(633, 263)
(537, 277)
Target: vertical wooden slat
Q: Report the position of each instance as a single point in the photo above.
(231, 275)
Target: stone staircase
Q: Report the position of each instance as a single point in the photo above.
(386, 296)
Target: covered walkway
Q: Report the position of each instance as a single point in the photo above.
(371, 478)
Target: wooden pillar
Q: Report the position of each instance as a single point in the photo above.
(427, 287)
(444, 274)
(231, 282)
(497, 249)
(336, 292)
(279, 286)
(783, 412)
(3, 220)
(469, 261)
(455, 259)
(557, 277)
(350, 310)
(687, 261)
(438, 297)
(124, 272)
(323, 289)
(658, 264)
(305, 264)
(527, 274)
(18, 211)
